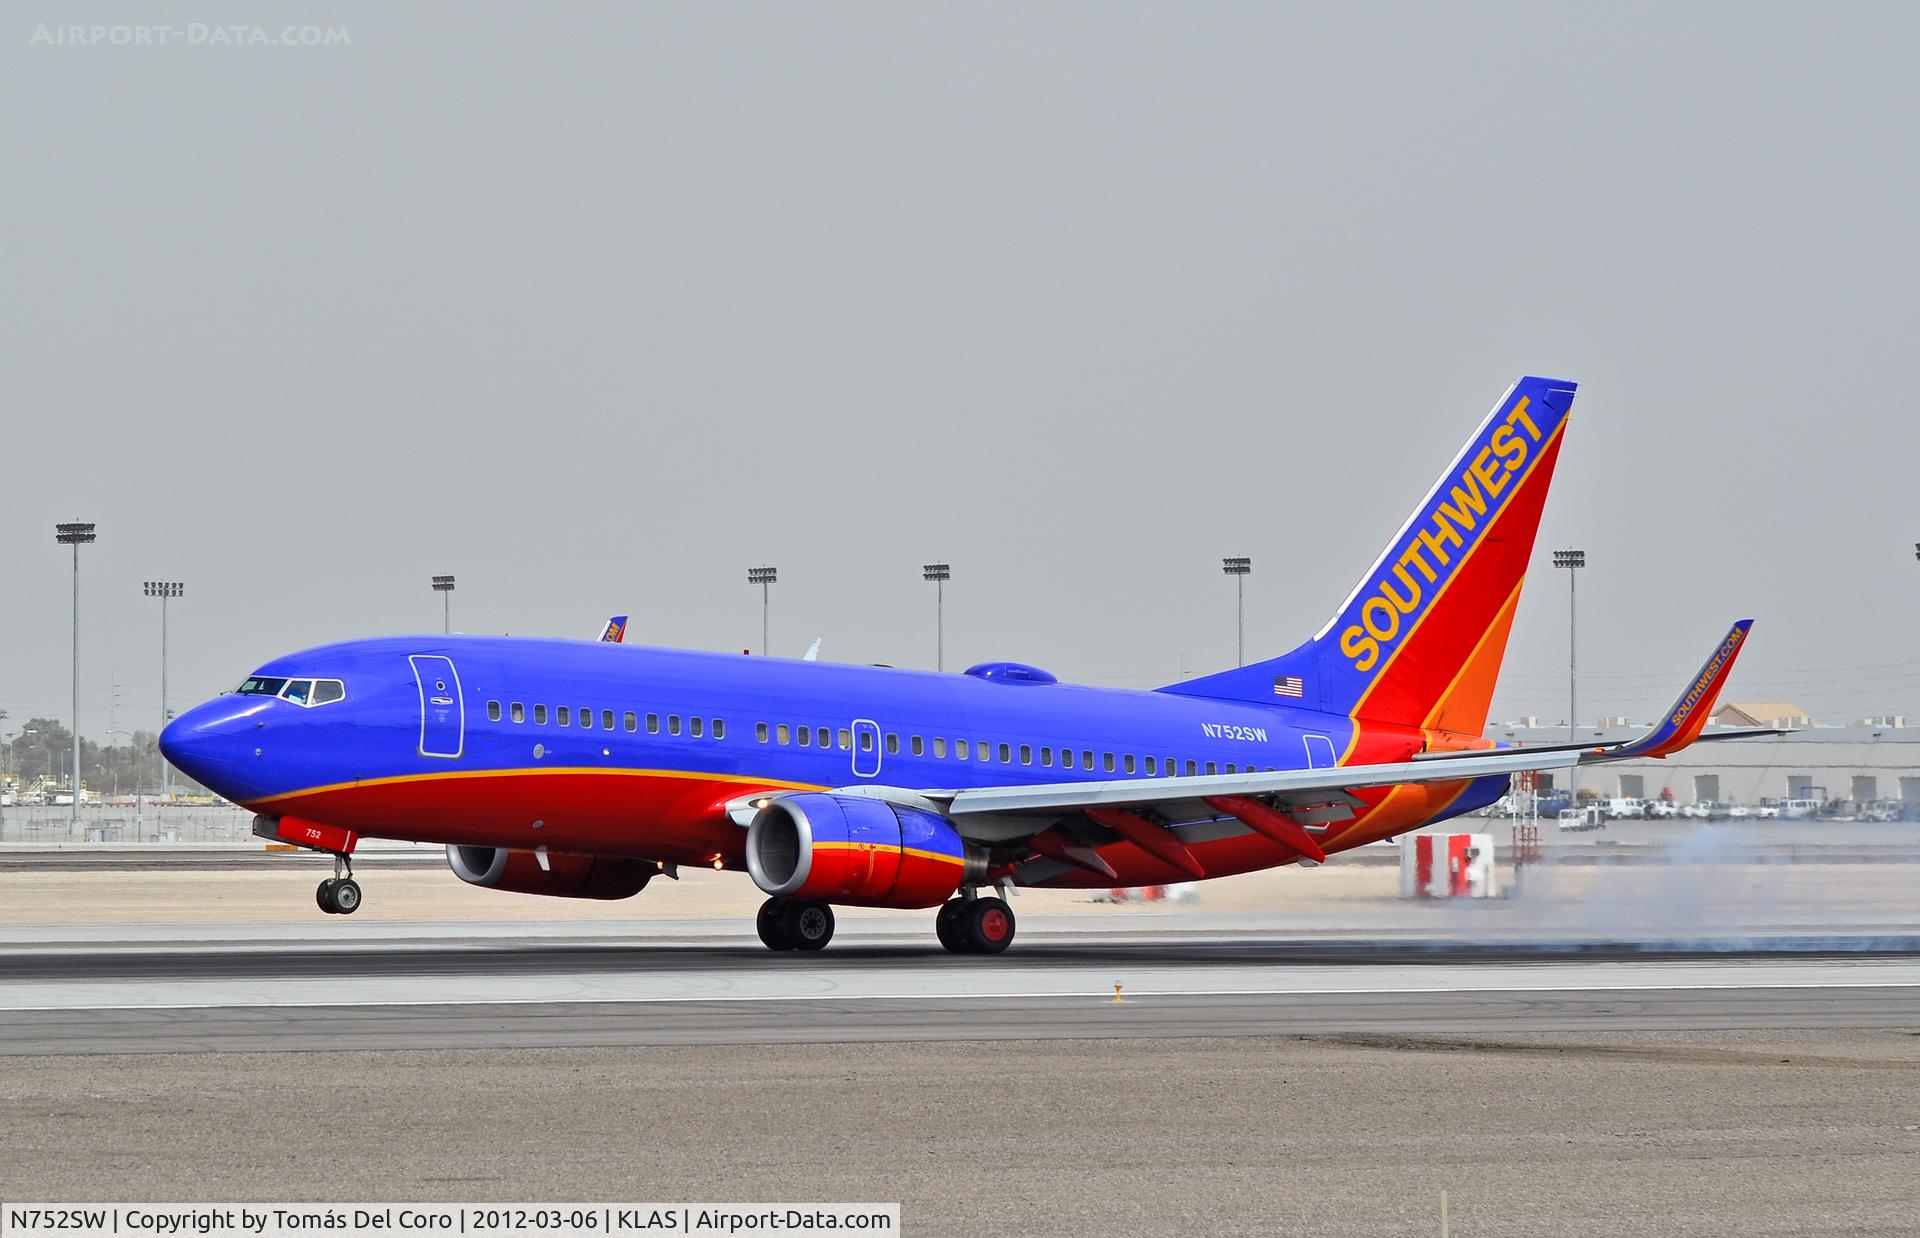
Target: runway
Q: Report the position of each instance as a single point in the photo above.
(425, 996)
(1540, 1082)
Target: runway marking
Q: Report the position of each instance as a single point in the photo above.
(1105, 998)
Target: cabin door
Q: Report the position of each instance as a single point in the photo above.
(443, 720)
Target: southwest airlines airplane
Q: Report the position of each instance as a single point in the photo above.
(584, 769)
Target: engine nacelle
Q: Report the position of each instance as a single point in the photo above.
(860, 851)
(565, 876)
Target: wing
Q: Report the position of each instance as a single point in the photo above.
(1292, 807)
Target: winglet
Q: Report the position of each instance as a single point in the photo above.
(615, 632)
(1682, 722)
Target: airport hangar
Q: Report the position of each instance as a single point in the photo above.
(1866, 761)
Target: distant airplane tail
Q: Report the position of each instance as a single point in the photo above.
(615, 632)
(1420, 639)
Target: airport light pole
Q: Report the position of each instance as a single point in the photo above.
(939, 574)
(443, 585)
(1572, 560)
(76, 535)
(763, 576)
(164, 590)
(1239, 569)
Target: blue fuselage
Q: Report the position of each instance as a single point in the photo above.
(457, 738)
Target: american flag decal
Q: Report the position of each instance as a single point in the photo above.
(1288, 685)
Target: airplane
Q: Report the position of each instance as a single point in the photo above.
(584, 769)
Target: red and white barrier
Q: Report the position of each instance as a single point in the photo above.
(1184, 892)
(1446, 866)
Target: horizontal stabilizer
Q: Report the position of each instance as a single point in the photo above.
(1678, 727)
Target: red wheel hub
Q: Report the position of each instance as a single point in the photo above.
(993, 925)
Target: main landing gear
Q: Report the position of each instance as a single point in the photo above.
(966, 925)
(339, 895)
(975, 925)
(795, 924)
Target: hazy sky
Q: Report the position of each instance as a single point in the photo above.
(597, 306)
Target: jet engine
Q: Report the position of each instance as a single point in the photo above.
(561, 876)
(858, 850)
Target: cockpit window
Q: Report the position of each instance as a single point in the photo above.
(303, 692)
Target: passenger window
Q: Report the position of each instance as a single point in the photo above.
(561, 715)
(919, 746)
(781, 734)
(1192, 769)
(326, 690)
(606, 719)
(1129, 762)
(673, 724)
(1026, 754)
(297, 691)
(1211, 769)
(539, 715)
(939, 746)
(693, 727)
(823, 736)
(1006, 755)
(1066, 758)
(846, 740)
(960, 747)
(519, 712)
(586, 718)
(1046, 757)
(719, 728)
(893, 742)
(1232, 768)
(1153, 765)
(1173, 767)
(806, 737)
(653, 724)
(493, 711)
(633, 723)
(760, 732)
(866, 741)
(1086, 759)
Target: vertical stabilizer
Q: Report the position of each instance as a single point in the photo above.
(1420, 639)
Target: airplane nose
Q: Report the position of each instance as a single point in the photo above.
(206, 744)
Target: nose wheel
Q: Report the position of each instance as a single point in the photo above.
(794, 924)
(339, 895)
(975, 925)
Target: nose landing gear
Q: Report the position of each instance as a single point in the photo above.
(339, 895)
